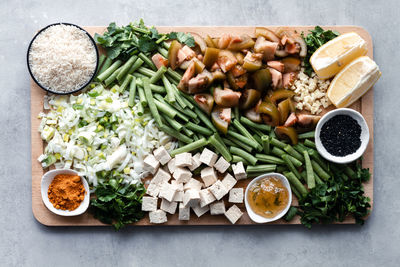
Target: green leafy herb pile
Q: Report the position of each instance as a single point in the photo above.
(342, 195)
(117, 203)
(123, 42)
(314, 40)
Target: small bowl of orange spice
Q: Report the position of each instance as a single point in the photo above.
(268, 197)
(64, 192)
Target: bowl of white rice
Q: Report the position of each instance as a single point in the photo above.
(62, 58)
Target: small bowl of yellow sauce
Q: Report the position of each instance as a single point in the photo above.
(268, 197)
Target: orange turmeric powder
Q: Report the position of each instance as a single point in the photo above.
(66, 192)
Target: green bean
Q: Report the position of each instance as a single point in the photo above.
(101, 61)
(138, 63)
(165, 45)
(142, 97)
(172, 81)
(169, 89)
(251, 124)
(185, 111)
(272, 134)
(112, 77)
(309, 143)
(294, 190)
(162, 51)
(162, 38)
(154, 88)
(266, 144)
(195, 137)
(184, 99)
(317, 179)
(173, 123)
(124, 85)
(104, 75)
(246, 133)
(279, 152)
(202, 116)
(132, 91)
(164, 108)
(178, 113)
(220, 146)
(240, 152)
(318, 169)
(261, 168)
(237, 159)
(310, 172)
(300, 148)
(148, 61)
(150, 101)
(188, 132)
(350, 172)
(277, 143)
(257, 138)
(291, 151)
(179, 99)
(315, 156)
(306, 135)
(174, 74)
(157, 76)
(236, 112)
(138, 75)
(258, 132)
(198, 128)
(295, 182)
(290, 165)
(244, 139)
(240, 144)
(228, 142)
(126, 67)
(140, 109)
(281, 168)
(145, 71)
(269, 159)
(137, 29)
(106, 65)
(190, 147)
(168, 130)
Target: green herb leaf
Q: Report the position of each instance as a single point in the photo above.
(184, 38)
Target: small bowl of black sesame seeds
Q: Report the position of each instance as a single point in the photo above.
(342, 135)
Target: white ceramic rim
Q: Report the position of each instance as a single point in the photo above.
(48, 177)
(364, 135)
(258, 218)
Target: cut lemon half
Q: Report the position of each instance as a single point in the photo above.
(331, 57)
(353, 81)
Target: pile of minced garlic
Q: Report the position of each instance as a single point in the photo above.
(62, 58)
(310, 93)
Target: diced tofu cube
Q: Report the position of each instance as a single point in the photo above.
(153, 189)
(184, 212)
(195, 162)
(183, 160)
(162, 155)
(193, 184)
(149, 203)
(229, 182)
(221, 165)
(217, 208)
(208, 176)
(167, 191)
(206, 197)
(161, 177)
(179, 186)
(178, 197)
(200, 210)
(158, 216)
(233, 214)
(239, 171)
(218, 190)
(191, 198)
(169, 207)
(171, 166)
(151, 164)
(182, 175)
(236, 195)
(208, 157)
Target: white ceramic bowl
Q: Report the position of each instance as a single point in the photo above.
(46, 181)
(364, 135)
(258, 218)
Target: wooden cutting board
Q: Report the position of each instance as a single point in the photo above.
(44, 216)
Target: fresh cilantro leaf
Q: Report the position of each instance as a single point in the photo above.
(184, 38)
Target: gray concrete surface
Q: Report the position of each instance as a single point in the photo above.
(25, 242)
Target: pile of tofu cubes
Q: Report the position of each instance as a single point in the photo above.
(174, 184)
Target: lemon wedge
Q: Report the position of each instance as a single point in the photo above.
(331, 57)
(353, 81)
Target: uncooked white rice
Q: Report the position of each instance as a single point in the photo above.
(62, 58)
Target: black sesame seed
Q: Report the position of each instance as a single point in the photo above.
(340, 135)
